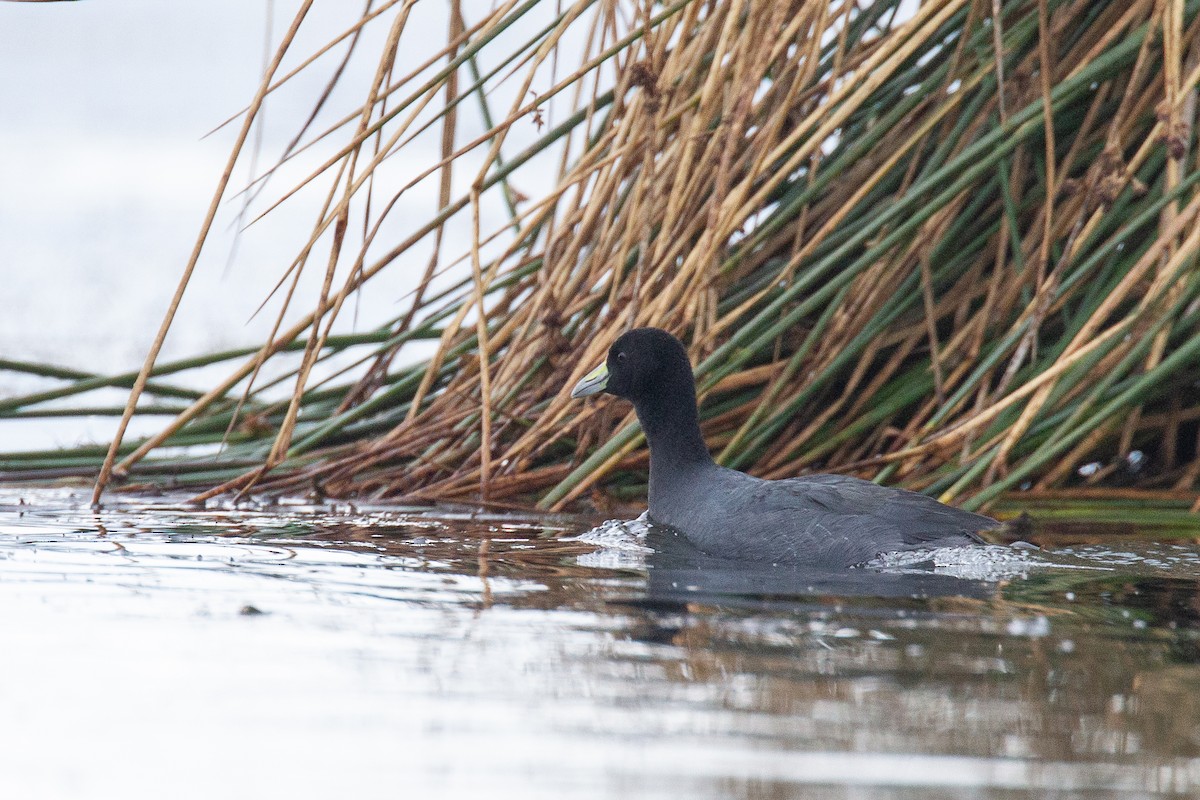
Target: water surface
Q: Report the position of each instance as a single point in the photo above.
(153, 649)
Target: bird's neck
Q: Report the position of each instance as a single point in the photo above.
(677, 448)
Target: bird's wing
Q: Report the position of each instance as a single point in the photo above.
(884, 511)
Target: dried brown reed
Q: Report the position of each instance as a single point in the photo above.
(889, 251)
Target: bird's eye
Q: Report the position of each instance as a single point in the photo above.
(620, 356)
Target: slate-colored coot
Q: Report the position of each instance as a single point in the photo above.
(817, 520)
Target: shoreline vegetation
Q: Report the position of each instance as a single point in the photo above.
(890, 254)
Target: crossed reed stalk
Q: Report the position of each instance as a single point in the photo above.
(890, 252)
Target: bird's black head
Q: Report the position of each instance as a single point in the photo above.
(642, 365)
(650, 368)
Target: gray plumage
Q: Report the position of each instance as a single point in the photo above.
(818, 520)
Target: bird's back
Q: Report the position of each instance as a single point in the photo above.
(826, 520)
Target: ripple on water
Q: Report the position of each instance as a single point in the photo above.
(468, 653)
(1173, 558)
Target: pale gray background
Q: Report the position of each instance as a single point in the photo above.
(106, 178)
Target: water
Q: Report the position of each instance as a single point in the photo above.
(155, 650)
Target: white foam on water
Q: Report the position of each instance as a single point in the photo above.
(984, 563)
(621, 544)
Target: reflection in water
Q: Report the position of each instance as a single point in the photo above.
(681, 574)
(542, 668)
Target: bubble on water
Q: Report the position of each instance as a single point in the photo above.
(1033, 627)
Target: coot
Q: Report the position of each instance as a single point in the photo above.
(817, 520)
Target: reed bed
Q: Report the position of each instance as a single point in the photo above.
(889, 251)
